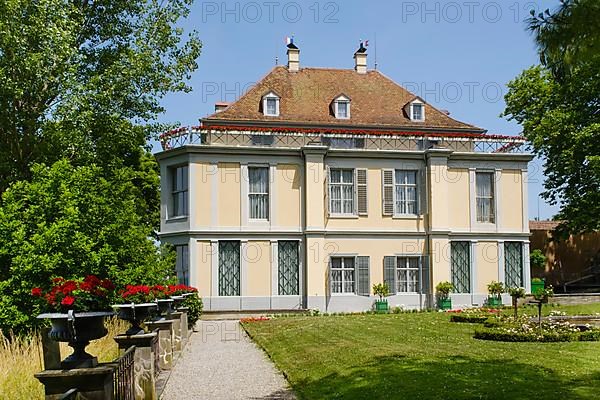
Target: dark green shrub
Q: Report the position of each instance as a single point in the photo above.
(470, 319)
(195, 306)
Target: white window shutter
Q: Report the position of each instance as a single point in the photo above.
(387, 191)
(422, 192)
(362, 193)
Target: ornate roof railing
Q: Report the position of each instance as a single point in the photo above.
(356, 139)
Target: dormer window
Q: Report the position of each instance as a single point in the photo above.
(341, 107)
(271, 105)
(417, 111)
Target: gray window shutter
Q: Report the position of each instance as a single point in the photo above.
(389, 272)
(387, 194)
(422, 190)
(328, 288)
(362, 276)
(362, 192)
(425, 275)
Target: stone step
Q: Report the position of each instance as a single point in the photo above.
(576, 298)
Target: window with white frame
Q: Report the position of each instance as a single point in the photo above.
(342, 275)
(513, 264)
(271, 105)
(484, 195)
(179, 191)
(407, 270)
(342, 107)
(341, 191)
(417, 111)
(405, 184)
(258, 192)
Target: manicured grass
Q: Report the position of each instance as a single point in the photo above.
(423, 356)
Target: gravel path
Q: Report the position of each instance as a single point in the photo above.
(221, 362)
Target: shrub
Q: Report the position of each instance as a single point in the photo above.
(469, 318)
(537, 259)
(443, 289)
(195, 306)
(495, 288)
(382, 290)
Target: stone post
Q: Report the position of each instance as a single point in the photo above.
(51, 351)
(165, 341)
(177, 339)
(145, 385)
(92, 383)
(185, 332)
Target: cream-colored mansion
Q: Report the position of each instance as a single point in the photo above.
(318, 183)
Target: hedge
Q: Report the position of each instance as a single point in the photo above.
(502, 336)
(468, 318)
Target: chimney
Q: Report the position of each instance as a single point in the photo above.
(293, 54)
(220, 106)
(360, 60)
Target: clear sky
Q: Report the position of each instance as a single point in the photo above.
(457, 55)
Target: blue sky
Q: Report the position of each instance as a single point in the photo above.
(457, 55)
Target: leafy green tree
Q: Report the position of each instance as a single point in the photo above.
(69, 221)
(558, 106)
(83, 79)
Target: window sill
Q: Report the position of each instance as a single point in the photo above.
(407, 216)
(343, 216)
(177, 219)
(343, 294)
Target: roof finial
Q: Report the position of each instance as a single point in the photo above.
(276, 60)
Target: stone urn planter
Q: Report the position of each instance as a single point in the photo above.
(135, 314)
(177, 301)
(77, 329)
(165, 306)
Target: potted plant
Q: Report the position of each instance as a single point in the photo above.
(76, 309)
(537, 285)
(382, 290)
(516, 293)
(137, 306)
(542, 297)
(178, 292)
(443, 290)
(495, 289)
(162, 298)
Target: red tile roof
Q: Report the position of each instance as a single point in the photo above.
(543, 225)
(306, 97)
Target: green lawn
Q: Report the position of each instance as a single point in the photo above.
(423, 356)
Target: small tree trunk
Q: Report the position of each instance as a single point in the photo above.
(540, 314)
(515, 302)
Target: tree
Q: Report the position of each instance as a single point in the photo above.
(67, 221)
(82, 80)
(558, 106)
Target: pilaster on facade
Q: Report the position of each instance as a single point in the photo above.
(314, 178)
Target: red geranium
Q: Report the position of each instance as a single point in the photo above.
(89, 294)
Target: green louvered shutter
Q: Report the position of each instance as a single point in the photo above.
(363, 286)
(389, 273)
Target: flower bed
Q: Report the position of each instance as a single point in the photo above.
(254, 319)
(523, 329)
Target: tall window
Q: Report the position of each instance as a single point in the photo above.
(179, 191)
(484, 188)
(229, 268)
(258, 192)
(341, 191)
(460, 261)
(407, 270)
(342, 275)
(406, 192)
(289, 267)
(182, 264)
(513, 264)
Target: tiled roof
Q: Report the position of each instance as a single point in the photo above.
(307, 95)
(543, 225)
